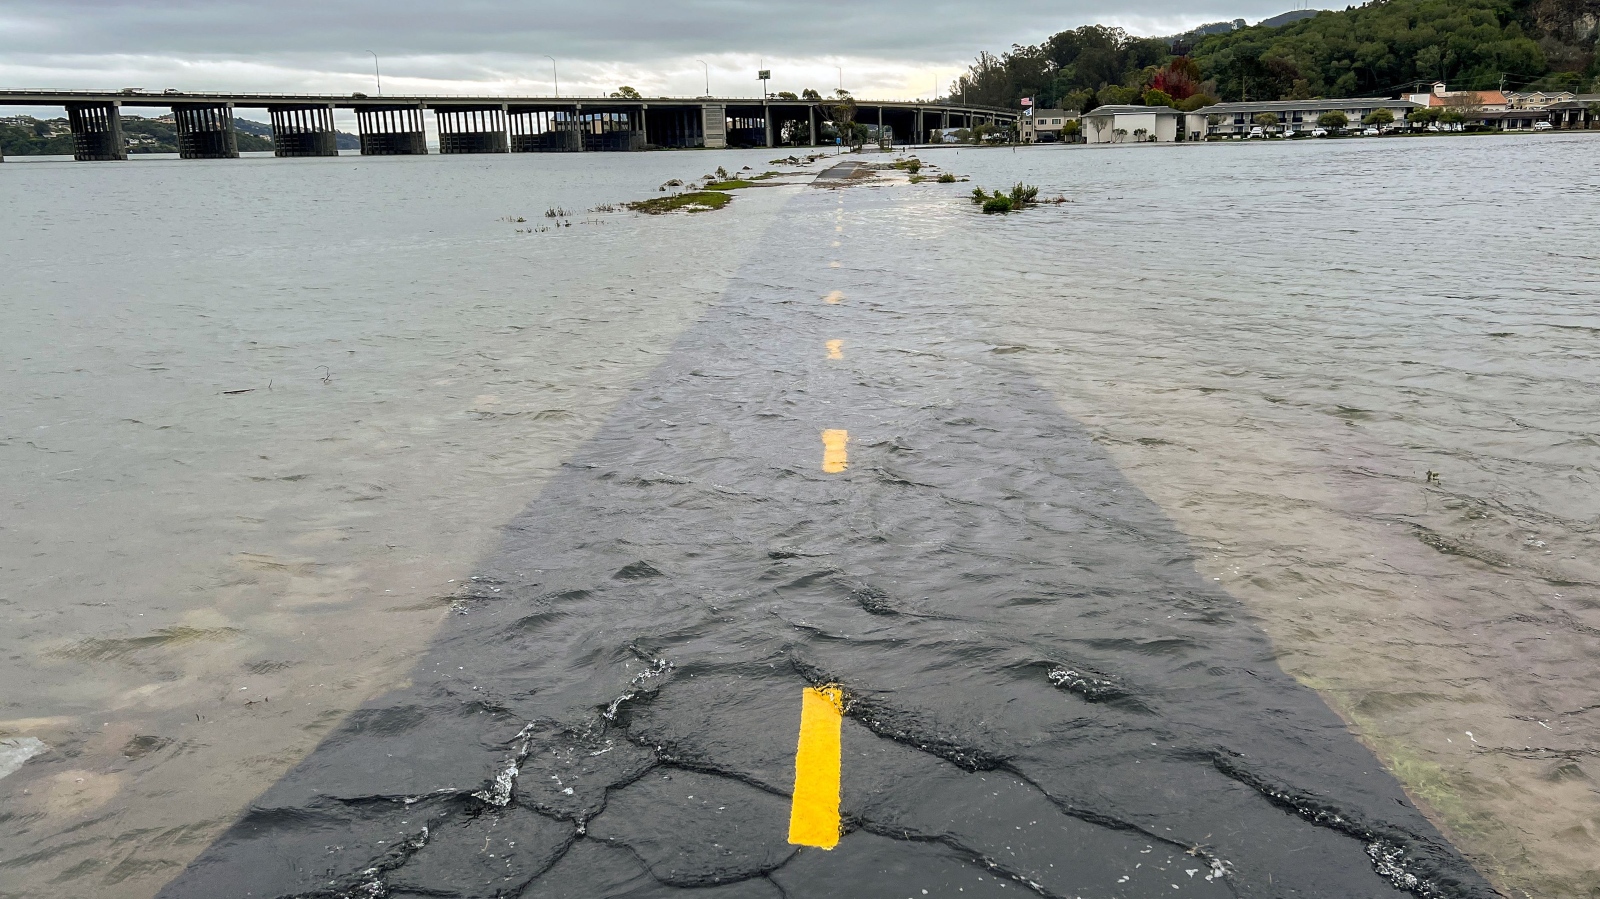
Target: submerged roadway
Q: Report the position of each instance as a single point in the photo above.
(839, 603)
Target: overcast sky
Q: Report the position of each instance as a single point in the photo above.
(897, 49)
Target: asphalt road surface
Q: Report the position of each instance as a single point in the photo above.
(835, 498)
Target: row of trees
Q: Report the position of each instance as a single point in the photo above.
(1381, 48)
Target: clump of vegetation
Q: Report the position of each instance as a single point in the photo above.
(556, 212)
(722, 173)
(676, 182)
(997, 203)
(947, 178)
(912, 165)
(731, 184)
(694, 201)
(1020, 197)
(605, 207)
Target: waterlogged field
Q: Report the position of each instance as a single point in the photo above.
(264, 421)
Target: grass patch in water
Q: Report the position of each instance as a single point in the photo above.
(730, 184)
(694, 201)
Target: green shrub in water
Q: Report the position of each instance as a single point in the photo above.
(997, 203)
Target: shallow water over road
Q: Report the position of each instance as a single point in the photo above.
(1179, 395)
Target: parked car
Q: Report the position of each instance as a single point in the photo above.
(1542, 126)
(1370, 132)
(1319, 132)
(1257, 131)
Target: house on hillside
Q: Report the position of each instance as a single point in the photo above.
(1236, 119)
(1141, 124)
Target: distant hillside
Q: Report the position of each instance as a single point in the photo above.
(1379, 49)
(28, 136)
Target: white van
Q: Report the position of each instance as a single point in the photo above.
(1257, 132)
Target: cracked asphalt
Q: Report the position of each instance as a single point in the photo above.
(1042, 695)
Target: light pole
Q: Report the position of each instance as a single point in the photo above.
(376, 74)
(841, 76)
(555, 76)
(708, 75)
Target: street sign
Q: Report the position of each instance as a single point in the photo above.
(764, 74)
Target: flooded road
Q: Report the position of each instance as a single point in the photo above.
(1038, 689)
(1030, 512)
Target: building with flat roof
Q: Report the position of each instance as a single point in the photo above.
(1236, 119)
(1141, 124)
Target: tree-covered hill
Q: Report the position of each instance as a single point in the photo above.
(1381, 48)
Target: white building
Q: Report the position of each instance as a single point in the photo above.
(1141, 124)
(1236, 119)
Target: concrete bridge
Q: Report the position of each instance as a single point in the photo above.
(302, 124)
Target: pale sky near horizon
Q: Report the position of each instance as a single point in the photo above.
(887, 50)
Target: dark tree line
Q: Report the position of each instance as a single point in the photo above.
(1381, 48)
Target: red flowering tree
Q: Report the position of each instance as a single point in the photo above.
(1179, 79)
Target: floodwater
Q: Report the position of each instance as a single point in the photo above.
(1111, 520)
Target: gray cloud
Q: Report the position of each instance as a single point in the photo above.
(303, 43)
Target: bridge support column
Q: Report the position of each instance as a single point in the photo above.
(96, 132)
(816, 140)
(543, 130)
(479, 129)
(392, 131)
(206, 132)
(714, 117)
(303, 131)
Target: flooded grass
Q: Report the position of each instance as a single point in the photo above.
(693, 201)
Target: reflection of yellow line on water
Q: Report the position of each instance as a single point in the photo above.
(833, 297)
(833, 264)
(814, 812)
(835, 349)
(835, 456)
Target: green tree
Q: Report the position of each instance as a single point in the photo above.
(1266, 120)
(1333, 119)
(625, 92)
(1378, 118)
(787, 95)
(1158, 98)
(809, 94)
(1424, 115)
(843, 116)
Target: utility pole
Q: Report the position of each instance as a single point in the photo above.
(554, 75)
(377, 74)
(708, 75)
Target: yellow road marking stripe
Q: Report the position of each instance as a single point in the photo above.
(835, 349)
(834, 264)
(833, 297)
(814, 812)
(835, 456)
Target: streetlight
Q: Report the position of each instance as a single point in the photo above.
(554, 75)
(708, 76)
(376, 74)
(841, 76)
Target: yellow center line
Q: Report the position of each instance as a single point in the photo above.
(835, 455)
(839, 228)
(834, 264)
(836, 243)
(835, 349)
(814, 814)
(833, 297)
